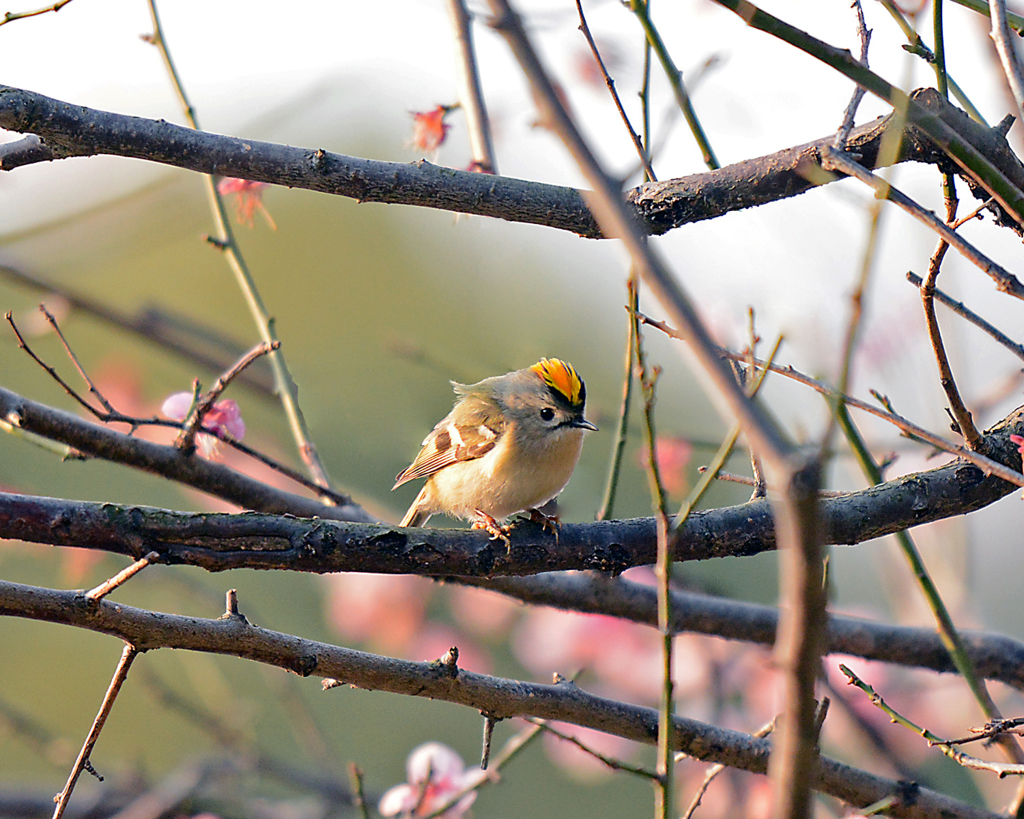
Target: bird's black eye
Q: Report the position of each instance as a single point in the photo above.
(547, 414)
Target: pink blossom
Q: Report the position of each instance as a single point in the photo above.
(1019, 441)
(578, 763)
(248, 199)
(672, 454)
(436, 774)
(384, 611)
(429, 129)
(625, 657)
(224, 418)
(482, 612)
(587, 68)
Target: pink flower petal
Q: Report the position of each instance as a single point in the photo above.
(176, 406)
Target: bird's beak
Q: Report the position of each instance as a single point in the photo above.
(583, 423)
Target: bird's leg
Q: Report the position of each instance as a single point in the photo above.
(549, 522)
(490, 525)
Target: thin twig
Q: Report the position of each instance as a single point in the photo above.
(74, 359)
(967, 761)
(23, 345)
(186, 439)
(1005, 281)
(611, 762)
(987, 465)
(730, 477)
(864, 35)
(974, 214)
(115, 417)
(355, 775)
(82, 762)
(1015, 21)
(645, 99)
(713, 471)
(610, 83)
(286, 387)
(946, 628)
(485, 753)
(11, 16)
(714, 770)
(856, 319)
(756, 469)
(619, 444)
(963, 311)
(107, 586)
(918, 48)
(961, 415)
(471, 96)
(941, 81)
(1007, 53)
(675, 79)
(648, 378)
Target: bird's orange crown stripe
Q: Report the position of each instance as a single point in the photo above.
(561, 377)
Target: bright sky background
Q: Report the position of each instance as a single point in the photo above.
(318, 73)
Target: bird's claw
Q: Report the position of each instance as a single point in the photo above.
(549, 522)
(492, 527)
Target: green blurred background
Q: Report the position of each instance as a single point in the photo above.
(379, 306)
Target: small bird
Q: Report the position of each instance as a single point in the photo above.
(509, 445)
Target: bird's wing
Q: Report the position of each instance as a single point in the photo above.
(475, 435)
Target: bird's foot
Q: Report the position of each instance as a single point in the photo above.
(550, 523)
(491, 526)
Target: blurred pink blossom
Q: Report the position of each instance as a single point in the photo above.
(481, 612)
(383, 611)
(224, 418)
(578, 763)
(625, 657)
(433, 639)
(672, 454)
(435, 774)
(429, 130)
(248, 199)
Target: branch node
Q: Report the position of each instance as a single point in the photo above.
(231, 607)
(449, 663)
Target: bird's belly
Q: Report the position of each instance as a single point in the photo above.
(510, 482)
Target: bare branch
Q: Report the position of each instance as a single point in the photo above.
(277, 541)
(169, 462)
(71, 130)
(502, 698)
(82, 763)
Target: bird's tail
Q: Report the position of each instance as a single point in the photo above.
(417, 516)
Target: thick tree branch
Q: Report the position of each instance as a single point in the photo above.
(216, 479)
(995, 656)
(278, 541)
(497, 697)
(58, 130)
(219, 542)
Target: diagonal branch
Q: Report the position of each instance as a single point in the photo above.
(279, 541)
(59, 130)
(995, 656)
(498, 697)
(167, 461)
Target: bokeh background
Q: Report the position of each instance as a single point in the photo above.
(379, 306)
